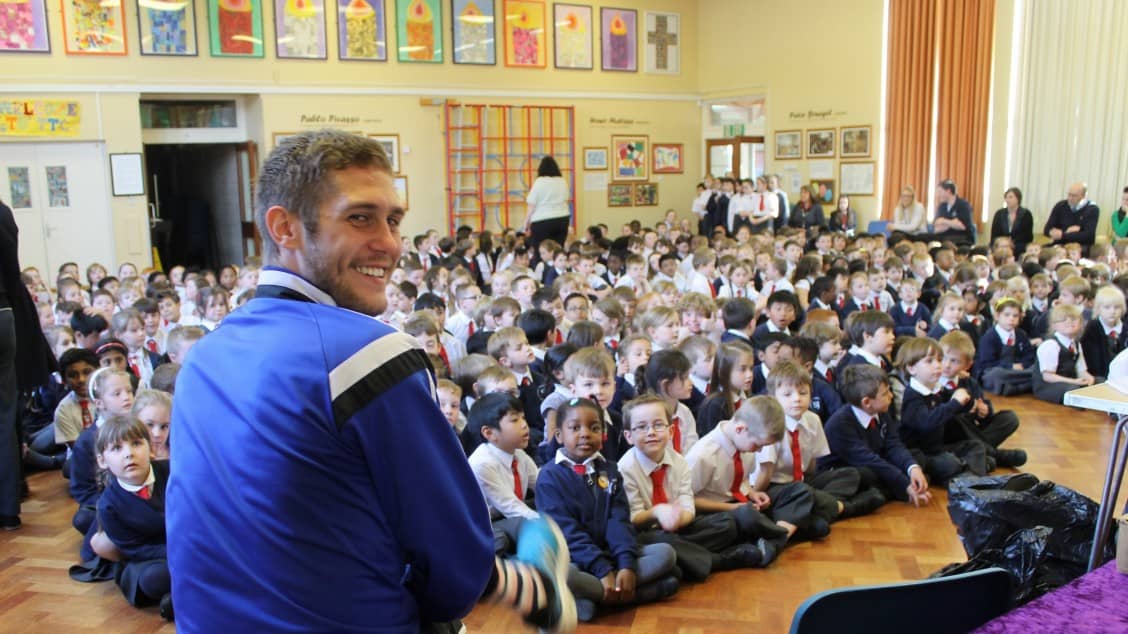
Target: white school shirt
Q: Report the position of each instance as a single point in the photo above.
(459, 325)
(737, 204)
(812, 446)
(688, 426)
(1050, 349)
(698, 283)
(140, 357)
(494, 470)
(710, 465)
(68, 418)
(636, 468)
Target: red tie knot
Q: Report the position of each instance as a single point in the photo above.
(872, 423)
(579, 469)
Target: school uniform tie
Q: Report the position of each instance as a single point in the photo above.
(708, 388)
(830, 375)
(761, 203)
(1112, 339)
(581, 470)
(87, 415)
(614, 343)
(1010, 340)
(470, 328)
(658, 479)
(796, 456)
(675, 432)
(951, 385)
(134, 366)
(736, 404)
(144, 493)
(884, 364)
(517, 488)
(151, 344)
(872, 424)
(443, 356)
(909, 312)
(1072, 350)
(713, 291)
(559, 337)
(739, 293)
(525, 382)
(737, 478)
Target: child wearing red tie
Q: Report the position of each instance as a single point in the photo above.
(128, 326)
(667, 376)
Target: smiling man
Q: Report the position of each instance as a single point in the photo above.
(316, 485)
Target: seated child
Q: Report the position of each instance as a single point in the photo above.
(131, 511)
(584, 493)
(450, 399)
(510, 347)
(75, 411)
(1005, 361)
(1104, 337)
(771, 348)
(667, 376)
(633, 354)
(871, 336)
(982, 422)
(660, 493)
(739, 317)
(505, 473)
(154, 409)
(733, 375)
(863, 436)
(859, 299)
(1060, 365)
(782, 308)
(928, 415)
(824, 400)
(949, 315)
(702, 353)
(910, 317)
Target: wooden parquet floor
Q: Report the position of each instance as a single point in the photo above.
(897, 543)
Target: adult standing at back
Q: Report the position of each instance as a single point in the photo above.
(315, 484)
(549, 215)
(26, 362)
(953, 216)
(1074, 219)
(1013, 221)
(1120, 216)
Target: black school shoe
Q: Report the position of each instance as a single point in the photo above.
(166, 607)
(1010, 457)
(10, 522)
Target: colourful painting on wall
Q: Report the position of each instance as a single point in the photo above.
(630, 159)
(472, 32)
(618, 39)
(663, 49)
(524, 33)
(91, 27)
(235, 28)
(668, 158)
(19, 187)
(362, 30)
(419, 32)
(57, 194)
(572, 36)
(299, 29)
(23, 27)
(166, 28)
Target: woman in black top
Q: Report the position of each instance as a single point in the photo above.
(844, 218)
(1013, 221)
(808, 213)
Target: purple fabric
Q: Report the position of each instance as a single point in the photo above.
(1094, 602)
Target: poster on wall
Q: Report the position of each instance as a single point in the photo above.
(858, 178)
(235, 28)
(40, 117)
(629, 156)
(299, 29)
(166, 28)
(524, 33)
(23, 27)
(419, 31)
(362, 31)
(472, 32)
(572, 36)
(91, 27)
(663, 50)
(57, 195)
(618, 39)
(19, 187)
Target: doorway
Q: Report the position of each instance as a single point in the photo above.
(200, 197)
(742, 156)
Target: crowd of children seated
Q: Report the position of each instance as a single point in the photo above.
(679, 404)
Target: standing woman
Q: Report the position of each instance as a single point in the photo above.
(1120, 216)
(844, 219)
(549, 214)
(908, 216)
(1014, 221)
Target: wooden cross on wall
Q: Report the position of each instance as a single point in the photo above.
(662, 39)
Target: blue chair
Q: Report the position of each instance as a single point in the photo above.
(959, 603)
(878, 226)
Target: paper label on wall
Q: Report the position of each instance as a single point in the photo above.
(39, 117)
(792, 179)
(821, 169)
(595, 182)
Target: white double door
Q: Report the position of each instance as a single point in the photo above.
(58, 194)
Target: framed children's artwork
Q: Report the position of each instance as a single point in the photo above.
(667, 158)
(663, 49)
(619, 194)
(91, 27)
(788, 144)
(23, 29)
(362, 31)
(472, 32)
(167, 28)
(618, 39)
(525, 41)
(299, 29)
(629, 158)
(390, 143)
(572, 36)
(820, 143)
(235, 28)
(399, 182)
(419, 31)
(825, 193)
(645, 194)
(595, 158)
(855, 142)
(857, 178)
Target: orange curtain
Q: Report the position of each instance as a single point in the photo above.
(966, 46)
(908, 129)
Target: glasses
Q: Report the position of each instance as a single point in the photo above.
(656, 426)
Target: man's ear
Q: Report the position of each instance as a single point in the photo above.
(284, 228)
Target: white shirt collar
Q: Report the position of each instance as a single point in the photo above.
(866, 354)
(134, 488)
(921, 387)
(945, 324)
(907, 307)
(1003, 334)
(504, 457)
(1108, 330)
(649, 465)
(862, 416)
(561, 458)
(698, 382)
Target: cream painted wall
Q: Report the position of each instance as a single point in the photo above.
(817, 61)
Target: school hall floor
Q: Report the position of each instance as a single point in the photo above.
(897, 543)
